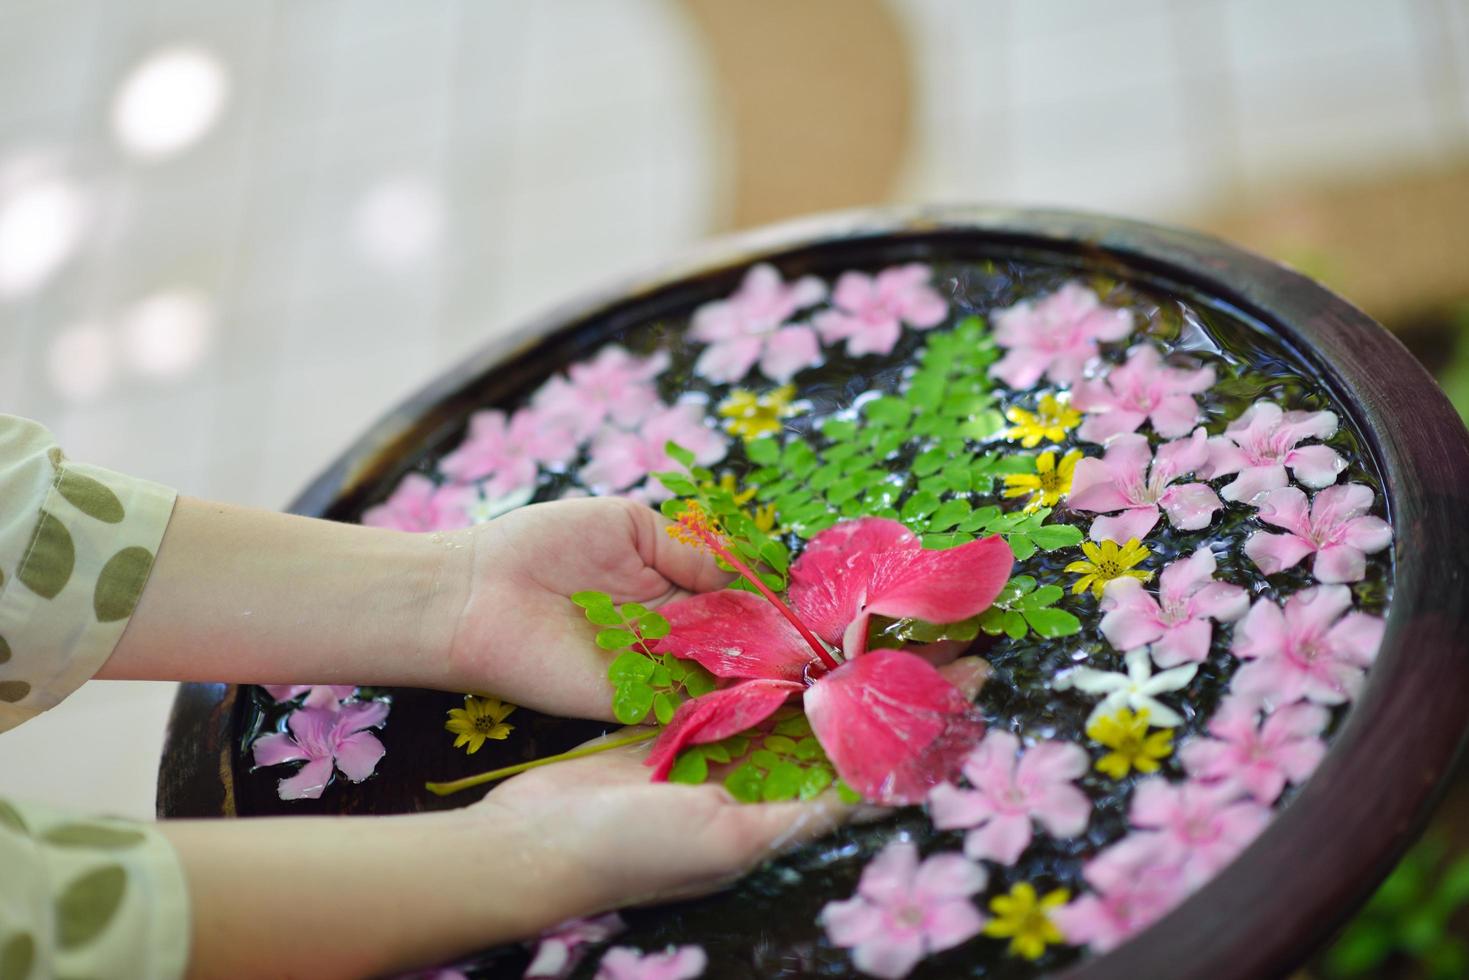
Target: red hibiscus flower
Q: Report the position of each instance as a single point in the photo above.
(891, 724)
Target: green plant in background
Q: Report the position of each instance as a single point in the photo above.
(1455, 376)
(1410, 916)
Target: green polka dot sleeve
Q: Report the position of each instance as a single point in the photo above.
(96, 898)
(76, 545)
(78, 897)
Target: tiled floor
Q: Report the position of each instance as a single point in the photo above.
(389, 185)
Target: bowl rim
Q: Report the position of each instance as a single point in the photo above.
(1250, 920)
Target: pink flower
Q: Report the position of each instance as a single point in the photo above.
(1205, 826)
(1144, 388)
(1261, 444)
(508, 451)
(904, 911)
(1177, 622)
(892, 725)
(1129, 478)
(325, 739)
(625, 963)
(1055, 336)
(1335, 528)
(751, 326)
(614, 384)
(620, 458)
(1305, 650)
(1136, 882)
(420, 504)
(1254, 757)
(329, 696)
(1009, 793)
(556, 952)
(871, 310)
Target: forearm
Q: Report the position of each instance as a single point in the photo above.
(356, 897)
(247, 595)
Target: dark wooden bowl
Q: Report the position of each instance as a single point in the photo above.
(1322, 855)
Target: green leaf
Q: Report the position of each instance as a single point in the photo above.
(633, 610)
(921, 504)
(1046, 595)
(888, 411)
(929, 461)
(1052, 623)
(662, 677)
(664, 706)
(698, 681)
(1020, 545)
(631, 702)
(679, 454)
(796, 726)
(808, 748)
(598, 607)
(673, 508)
(814, 782)
(691, 767)
(652, 625)
(745, 783)
(677, 483)
(839, 430)
(630, 666)
(783, 782)
(764, 758)
(1052, 536)
(764, 451)
(781, 744)
(716, 752)
(846, 793)
(616, 639)
(949, 514)
(1014, 625)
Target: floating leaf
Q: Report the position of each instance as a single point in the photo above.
(1052, 623)
(814, 782)
(765, 451)
(847, 794)
(653, 626)
(691, 767)
(664, 705)
(698, 681)
(782, 782)
(1052, 536)
(781, 744)
(745, 783)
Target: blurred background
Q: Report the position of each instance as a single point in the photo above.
(233, 234)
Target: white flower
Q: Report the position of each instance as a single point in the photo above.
(482, 510)
(1137, 689)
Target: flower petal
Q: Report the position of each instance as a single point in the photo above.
(1276, 552)
(892, 725)
(308, 783)
(1190, 506)
(1315, 466)
(948, 876)
(715, 716)
(735, 634)
(1002, 839)
(275, 748)
(1136, 522)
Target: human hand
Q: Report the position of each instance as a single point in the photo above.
(521, 638)
(605, 837)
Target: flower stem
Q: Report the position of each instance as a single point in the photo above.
(749, 575)
(444, 789)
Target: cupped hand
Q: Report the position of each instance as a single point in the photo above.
(599, 830)
(521, 638)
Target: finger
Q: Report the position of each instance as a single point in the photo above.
(684, 565)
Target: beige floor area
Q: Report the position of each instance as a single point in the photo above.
(218, 282)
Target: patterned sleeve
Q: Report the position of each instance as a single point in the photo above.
(76, 545)
(78, 896)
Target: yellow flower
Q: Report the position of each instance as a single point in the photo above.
(1047, 485)
(1126, 734)
(752, 416)
(1050, 422)
(730, 485)
(1025, 920)
(1107, 562)
(765, 517)
(479, 719)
